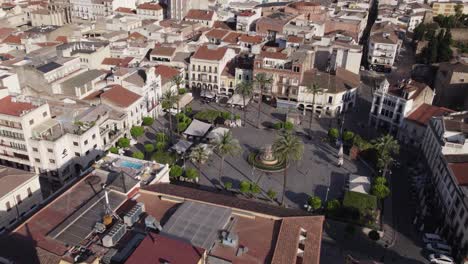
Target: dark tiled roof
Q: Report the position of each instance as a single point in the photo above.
(223, 200)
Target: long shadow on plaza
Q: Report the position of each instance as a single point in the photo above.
(150, 135)
(298, 198)
(359, 242)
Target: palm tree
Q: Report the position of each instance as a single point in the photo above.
(245, 89)
(386, 147)
(314, 89)
(169, 99)
(263, 81)
(287, 148)
(177, 80)
(199, 155)
(225, 145)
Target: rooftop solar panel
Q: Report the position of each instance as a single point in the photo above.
(49, 67)
(197, 223)
(79, 225)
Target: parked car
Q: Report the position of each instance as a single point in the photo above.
(440, 259)
(439, 248)
(432, 238)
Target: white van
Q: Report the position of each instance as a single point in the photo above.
(432, 238)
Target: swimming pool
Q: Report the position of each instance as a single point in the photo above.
(131, 165)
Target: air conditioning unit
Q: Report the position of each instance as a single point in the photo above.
(114, 235)
(134, 214)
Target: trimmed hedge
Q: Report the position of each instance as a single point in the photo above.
(360, 201)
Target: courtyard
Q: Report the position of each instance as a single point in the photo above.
(316, 174)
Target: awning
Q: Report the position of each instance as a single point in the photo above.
(197, 129)
(181, 146)
(208, 94)
(237, 99)
(361, 184)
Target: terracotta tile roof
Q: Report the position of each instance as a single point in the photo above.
(124, 10)
(159, 50)
(221, 25)
(294, 39)
(232, 37)
(341, 81)
(251, 39)
(13, 39)
(460, 171)
(136, 36)
(62, 39)
(223, 200)
(199, 14)
(217, 33)
(120, 96)
(5, 32)
(161, 247)
(288, 240)
(9, 107)
(246, 13)
(120, 62)
(11, 178)
(150, 6)
(425, 112)
(206, 53)
(47, 44)
(274, 55)
(167, 73)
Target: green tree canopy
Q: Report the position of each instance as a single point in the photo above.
(191, 174)
(380, 191)
(147, 121)
(138, 155)
(114, 150)
(137, 131)
(149, 148)
(176, 171)
(228, 185)
(123, 142)
(314, 202)
(244, 187)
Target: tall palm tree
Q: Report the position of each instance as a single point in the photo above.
(178, 80)
(262, 81)
(287, 148)
(245, 89)
(386, 147)
(226, 145)
(199, 155)
(314, 89)
(169, 99)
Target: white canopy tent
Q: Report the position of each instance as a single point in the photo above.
(361, 184)
(237, 100)
(197, 129)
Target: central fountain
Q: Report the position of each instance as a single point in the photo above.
(266, 160)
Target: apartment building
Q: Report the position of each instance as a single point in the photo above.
(448, 8)
(178, 9)
(451, 85)
(338, 51)
(90, 53)
(20, 194)
(245, 20)
(9, 80)
(91, 9)
(286, 68)
(339, 91)
(206, 66)
(384, 44)
(151, 11)
(391, 104)
(445, 150)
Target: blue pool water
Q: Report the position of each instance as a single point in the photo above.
(131, 165)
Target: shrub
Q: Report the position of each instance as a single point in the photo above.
(161, 146)
(333, 205)
(225, 115)
(228, 185)
(381, 191)
(348, 136)
(237, 117)
(182, 126)
(288, 125)
(161, 137)
(333, 134)
(359, 142)
(271, 194)
(374, 235)
(278, 125)
(191, 173)
(314, 202)
(138, 155)
(137, 131)
(147, 121)
(176, 171)
(254, 188)
(114, 150)
(244, 187)
(182, 91)
(207, 115)
(188, 110)
(149, 148)
(123, 143)
(164, 157)
(380, 180)
(360, 201)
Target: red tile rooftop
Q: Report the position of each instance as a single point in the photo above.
(9, 107)
(167, 73)
(157, 248)
(120, 96)
(217, 33)
(425, 112)
(124, 10)
(210, 53)
(199, 14)
(150, 6)
(251, 39)
(460, 171)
